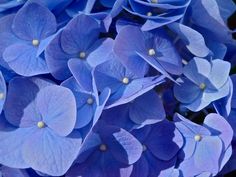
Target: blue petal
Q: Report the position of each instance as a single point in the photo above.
(3, 91)
(124, 147)
(82, 73)
(11, 147)
(133, 90)
(57, 59)
(197, 70)
(140, 168)
(142, 113)
(57, 106)
(10, 172)
(194, 40)
(101, 53)
(75, 38)
(207, 154)
(128, 40)
(223, 106)
(34, 21)
(218, 79)
(48, 153)
(23, 60)
(168, 140)
(20, 104)
(186, 91)
(220, 127)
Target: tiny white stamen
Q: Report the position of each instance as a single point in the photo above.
(149, 14)
(154, 1)
(144, 147)
(151, 52)
(103, 147)
(1, 96)
(41, 124)
(125, 80)
(90, 101)
(202, 86)
(82, 55)
(197, 137)
(35, 42)
(185, 62)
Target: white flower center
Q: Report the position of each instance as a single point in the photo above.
(41, 124)
(1, 96)
(144, 147)
(82, 55)
(149, 14)
(90, 101)
(151, 52)
(197, 137)
(35, 42)
(202, 86)
(125, 80)
(103, 147)
(154, 1)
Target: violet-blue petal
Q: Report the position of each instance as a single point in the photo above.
(186, 91)
(103, 97)
(140, 112)
(220, 127)
(6, 34)
(3, 91)
(82, 73)
(34, 21)
(20, 103)
(133, 90)
(194, 40)
(75, 38)
(124, 147)
(140, 168)
(101, 53)
(9, 172)
(23, 60)
(128, 40)
(11, 147)
(57, 107)
(218, 80)
(168, 140)
(57, 59)
(49, 153)
(223, 106)
(197, 70)
(209, 148)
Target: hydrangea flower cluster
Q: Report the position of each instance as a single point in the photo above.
(117, 88)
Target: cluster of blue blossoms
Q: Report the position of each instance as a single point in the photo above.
(117, 88)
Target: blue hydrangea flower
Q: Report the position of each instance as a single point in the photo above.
(158, 13)
(106, 151)
(89, 103)
(43, 116)
(22, 37)
(161, 143)
(137, 113)
(203, 83)
(75, 41)
(3, 91)
(137, 50)
(207, 148)
(125, 85)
